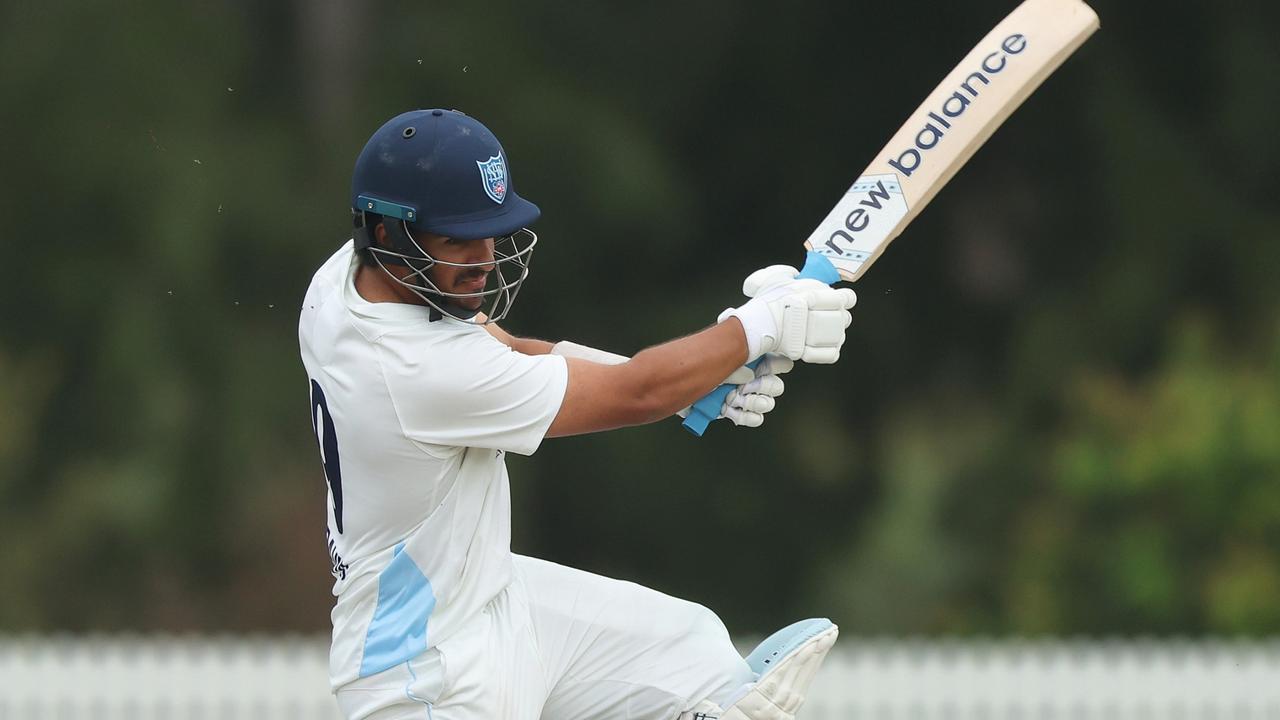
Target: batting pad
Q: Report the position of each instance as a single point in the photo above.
(785, 664)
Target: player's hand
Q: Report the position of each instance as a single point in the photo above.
(747, 404)
(800, 319)
(756, 390)
(766, 278)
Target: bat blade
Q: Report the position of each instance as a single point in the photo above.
(949, 126)
(937, 139)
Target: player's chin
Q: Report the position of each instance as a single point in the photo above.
(470, 303)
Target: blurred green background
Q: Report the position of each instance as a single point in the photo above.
(1058, 410)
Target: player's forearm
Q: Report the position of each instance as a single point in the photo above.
(668, 377)
(801, 319)
(650, 386)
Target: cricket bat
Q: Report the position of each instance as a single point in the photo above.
(939, 137)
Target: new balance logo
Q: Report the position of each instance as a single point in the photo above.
(705, 716)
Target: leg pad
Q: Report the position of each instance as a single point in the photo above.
(785, 641)
(786, 664)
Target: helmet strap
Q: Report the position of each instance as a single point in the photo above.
(361, 232)
(365, 236)
(401, 241)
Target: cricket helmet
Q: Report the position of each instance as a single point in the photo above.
(442, 172)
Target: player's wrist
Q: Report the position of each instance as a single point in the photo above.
(757, 323)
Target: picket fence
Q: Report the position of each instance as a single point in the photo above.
(202, 678)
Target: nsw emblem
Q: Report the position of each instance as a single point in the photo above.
(494, 174)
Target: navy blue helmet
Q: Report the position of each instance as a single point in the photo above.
(442, 172)
(446, 169)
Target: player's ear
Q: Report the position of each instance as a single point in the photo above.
(380, 234)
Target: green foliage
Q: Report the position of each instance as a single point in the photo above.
(1173, 486)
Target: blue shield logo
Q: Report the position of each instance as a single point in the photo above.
(494, 174)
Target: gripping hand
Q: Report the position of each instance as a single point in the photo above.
(747, 404)
(754, 392)
(800, 319)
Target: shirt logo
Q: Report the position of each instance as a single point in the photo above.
(493, 172)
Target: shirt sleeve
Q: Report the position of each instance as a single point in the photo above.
(470, 390)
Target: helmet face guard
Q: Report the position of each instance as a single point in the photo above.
(507, 272)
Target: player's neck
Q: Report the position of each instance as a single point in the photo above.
(375, 286)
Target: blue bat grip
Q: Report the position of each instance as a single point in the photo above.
(707, 409)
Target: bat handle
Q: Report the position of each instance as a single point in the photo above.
(702, 412)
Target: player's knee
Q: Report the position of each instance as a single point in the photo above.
(705, 623)
(708, 641)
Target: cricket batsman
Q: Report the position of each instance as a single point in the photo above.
(417, 394)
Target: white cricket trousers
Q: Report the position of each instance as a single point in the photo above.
(562, 644)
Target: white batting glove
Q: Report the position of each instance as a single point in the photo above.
(745, 405)
(800, 319)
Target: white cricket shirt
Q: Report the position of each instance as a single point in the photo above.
(412, 418)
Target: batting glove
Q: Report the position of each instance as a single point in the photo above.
(747, 404)
(801, 319)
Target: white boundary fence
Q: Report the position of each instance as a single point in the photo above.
(212, 679)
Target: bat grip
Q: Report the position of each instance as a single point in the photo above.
(706, 409)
